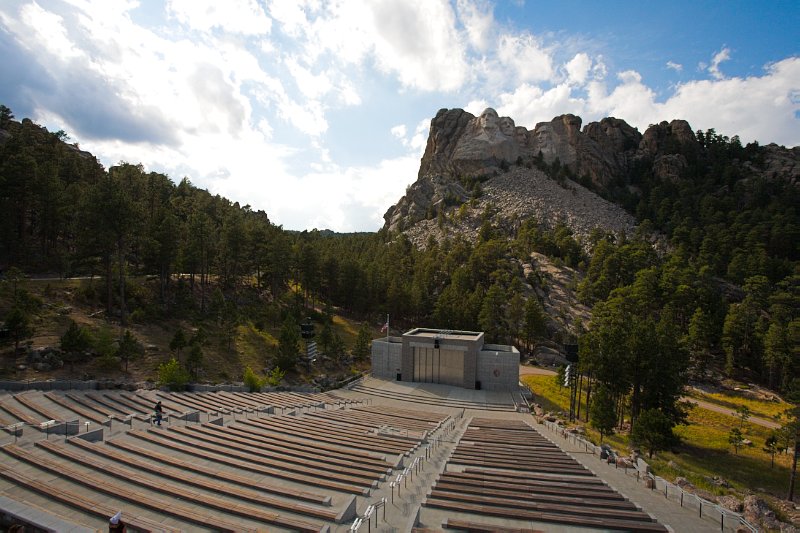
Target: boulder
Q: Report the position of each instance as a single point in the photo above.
(757, 512)
(731, 503)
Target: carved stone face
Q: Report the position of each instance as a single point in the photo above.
(488, 119)
(543, 134)
(507, 126)
(521, 135)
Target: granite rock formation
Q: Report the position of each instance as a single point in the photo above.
(513, 169)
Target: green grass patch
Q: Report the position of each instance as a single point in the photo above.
(547, 393)
(347, 329)
(254, 346)
(704, 452)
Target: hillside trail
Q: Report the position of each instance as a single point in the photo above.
(731, 412)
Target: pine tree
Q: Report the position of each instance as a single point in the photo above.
(363, 345)
(602, 414)
(288, 345)
(74, 343)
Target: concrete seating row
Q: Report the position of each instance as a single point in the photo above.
(112, 408)
(307, 465)
(8, 406)
(311, 439)
(306, 445)
(441, 402)
(132, 474)
(226, 436)
(82, 502)
(48, 413)
(91, 405)
(127, 404)
(478, 527)
(543, 493)
(71, 405)
(332, 433)
(412, 431)
(193, 466)
(123, 491)
(291, 399)
(391, 436)
(234, 458)
(518, 483)
(572, 520)
(148, 404)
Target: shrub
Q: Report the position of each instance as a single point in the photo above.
(172, 375)
(252, 381)
(275, 377)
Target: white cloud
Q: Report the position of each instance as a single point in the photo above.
(233, 16)
(578, 68)
(50, 31)
(529, 104)
(677, 67)
(418, 41)
(418, 140)
(399, 131)
(478, 22)
(719, 57)
(526, 56)
(768, 113)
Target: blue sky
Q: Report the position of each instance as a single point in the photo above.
(318, 112)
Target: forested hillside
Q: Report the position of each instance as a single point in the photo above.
(725, 294)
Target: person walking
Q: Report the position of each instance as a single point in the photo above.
(159, 414)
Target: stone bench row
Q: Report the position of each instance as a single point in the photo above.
(544, 485)
(123, 491)
(249, 462)
(193, 466)
(569, 519)
(327, 431)
(90, 506)
(249, 494)
(308, 444)
(442, 402)
(291, 454)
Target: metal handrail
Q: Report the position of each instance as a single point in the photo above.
(702, 502)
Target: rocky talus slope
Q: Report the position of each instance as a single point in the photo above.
(523, 193)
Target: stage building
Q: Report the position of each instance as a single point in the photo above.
(458, 358)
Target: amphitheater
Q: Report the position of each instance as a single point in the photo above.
(378, 454)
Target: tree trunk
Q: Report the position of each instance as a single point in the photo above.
(588, 394)
(109, 291)
(122, 311)
(794, 464)
(580, 391)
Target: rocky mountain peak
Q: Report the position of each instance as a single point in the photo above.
(488, 159)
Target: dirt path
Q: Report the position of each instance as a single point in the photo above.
(727, 411)
(525, 370)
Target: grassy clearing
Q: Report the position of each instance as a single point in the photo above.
(704, 451)
(547, 393)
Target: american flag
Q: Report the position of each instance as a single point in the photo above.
(385, 326)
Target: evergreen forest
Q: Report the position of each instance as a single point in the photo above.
(721, 298)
